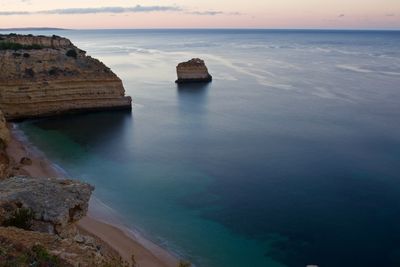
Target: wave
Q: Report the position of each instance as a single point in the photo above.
(364, 70)
(353, 68)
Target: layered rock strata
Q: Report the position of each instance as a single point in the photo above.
(192, 71)
(45, 76)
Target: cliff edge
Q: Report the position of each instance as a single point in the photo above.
(45, 76)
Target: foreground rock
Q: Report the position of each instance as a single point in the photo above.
(45, 76)
(28, 248)
(192, 71)
(55, 204)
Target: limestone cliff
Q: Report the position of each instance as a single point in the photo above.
(44, 76)
(194, 70)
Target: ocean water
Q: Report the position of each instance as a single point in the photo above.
(291, 156)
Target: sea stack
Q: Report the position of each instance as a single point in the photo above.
(48, 75)
(193, 71)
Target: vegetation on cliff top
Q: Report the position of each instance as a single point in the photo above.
(12, 254)
(21, 218)
(72, 53)
(6, 45)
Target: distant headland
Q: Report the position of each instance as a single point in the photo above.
(33, 29)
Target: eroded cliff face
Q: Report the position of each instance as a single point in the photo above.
(45, 76)
(45, 210)
(56, 204)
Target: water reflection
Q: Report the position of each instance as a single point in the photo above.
(193, 104)
(193, 95)
(99, 131)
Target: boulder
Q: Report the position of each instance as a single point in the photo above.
(194, 70)
(55, 204)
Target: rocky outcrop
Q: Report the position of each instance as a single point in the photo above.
(55, 204)
(27, 248)
(194, 70)
(45, 76)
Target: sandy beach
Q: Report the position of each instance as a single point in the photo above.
(119, 238)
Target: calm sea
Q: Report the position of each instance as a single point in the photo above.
(291, 156)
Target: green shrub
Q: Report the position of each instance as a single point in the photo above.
(29, 72)
(40, 254)
(54, 71)
(72, 53)
(21, 218)
(6, 45)
(13, 254)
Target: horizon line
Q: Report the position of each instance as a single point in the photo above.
(199, 28)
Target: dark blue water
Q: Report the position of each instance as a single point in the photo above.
(290, 157)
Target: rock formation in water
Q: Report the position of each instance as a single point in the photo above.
(44, 76)
(194, 70)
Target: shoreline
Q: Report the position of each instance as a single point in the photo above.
(97, 222)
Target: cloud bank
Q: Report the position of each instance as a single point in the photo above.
(118, 10)
(96, 10)
(213, 13)
(205, 13)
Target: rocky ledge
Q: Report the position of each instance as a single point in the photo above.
(192, 71)
(45, 76)
(53, 205)
(29, 248)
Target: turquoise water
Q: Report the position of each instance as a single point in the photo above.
(289, 157)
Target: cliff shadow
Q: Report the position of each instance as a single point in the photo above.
(100, 131)
(193, 88)
(193, 105)
(193, 92)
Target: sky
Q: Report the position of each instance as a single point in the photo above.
(281, 14)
